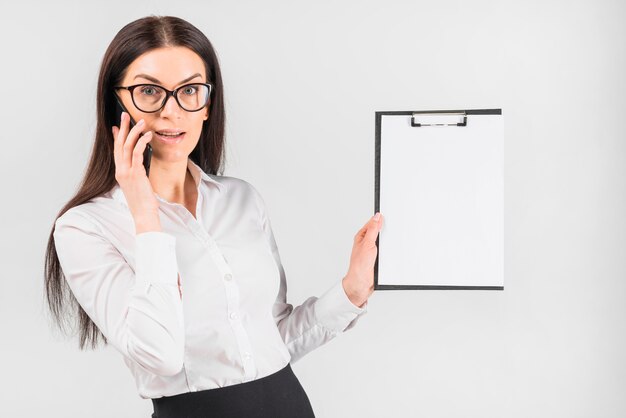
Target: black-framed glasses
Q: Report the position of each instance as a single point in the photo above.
(150, 98)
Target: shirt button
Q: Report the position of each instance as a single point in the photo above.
(233, 315)
(246, 355)
(228, 276)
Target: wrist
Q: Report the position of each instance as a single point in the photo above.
(147, 224)
(358, 298)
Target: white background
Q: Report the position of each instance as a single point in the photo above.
(302, 83)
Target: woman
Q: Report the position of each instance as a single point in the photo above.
(178, 268)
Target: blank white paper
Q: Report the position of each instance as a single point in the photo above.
(442, 196)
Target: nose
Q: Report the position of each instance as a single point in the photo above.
(171, 109)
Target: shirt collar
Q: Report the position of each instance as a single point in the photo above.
(196, 172)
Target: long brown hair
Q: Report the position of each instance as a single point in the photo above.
(132, 40)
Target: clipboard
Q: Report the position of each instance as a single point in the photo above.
(440, 186)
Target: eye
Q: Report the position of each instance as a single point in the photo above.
(190, 90)
(148, 90)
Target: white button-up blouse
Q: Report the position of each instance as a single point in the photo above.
(232, 323)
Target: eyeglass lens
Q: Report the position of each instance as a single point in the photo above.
(191, 97)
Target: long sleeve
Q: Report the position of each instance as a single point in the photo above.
(317, 320)
(139, 312)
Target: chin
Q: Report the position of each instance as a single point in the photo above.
(170, 155)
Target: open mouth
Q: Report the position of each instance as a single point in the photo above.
(170, 137)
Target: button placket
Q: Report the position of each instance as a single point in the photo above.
(236, 316)
(232, 303)
(199, 207)
(232, 293)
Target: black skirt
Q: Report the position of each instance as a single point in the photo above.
(279, 395)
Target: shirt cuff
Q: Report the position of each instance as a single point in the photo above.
(155, 258)
(335, 311)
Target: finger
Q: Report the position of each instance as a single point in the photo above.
(121, 136)
(131, 141)
(117, 149)
(362, 230)
(372, 230)
(361, 233)
(139, 149)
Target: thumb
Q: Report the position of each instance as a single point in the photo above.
(373, 226)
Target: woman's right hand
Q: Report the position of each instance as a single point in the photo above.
(131, 174)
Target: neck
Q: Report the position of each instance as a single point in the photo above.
(171, 180)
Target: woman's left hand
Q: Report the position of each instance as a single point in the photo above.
(359, 281)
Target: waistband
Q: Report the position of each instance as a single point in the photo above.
(277, 395)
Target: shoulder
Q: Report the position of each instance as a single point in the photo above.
(230, 182)
(75, 229)
(237, 186)
(76, 216)
(242, 192)
(92, 215)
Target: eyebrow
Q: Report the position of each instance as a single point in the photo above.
(154, 80)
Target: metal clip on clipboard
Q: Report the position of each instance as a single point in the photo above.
(438, 119)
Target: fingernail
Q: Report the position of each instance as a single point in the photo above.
(377, 216)
(140, 122)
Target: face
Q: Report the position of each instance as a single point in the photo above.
(168, 67)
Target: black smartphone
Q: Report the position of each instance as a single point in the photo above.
(147, 153)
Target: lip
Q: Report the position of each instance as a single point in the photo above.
(169, 131)
(169, 140)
